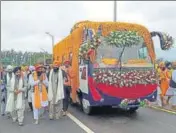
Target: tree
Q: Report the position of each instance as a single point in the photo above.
(12, 57)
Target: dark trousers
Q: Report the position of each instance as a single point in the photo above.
(30, 105)
(67, 90)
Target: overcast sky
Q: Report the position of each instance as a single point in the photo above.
(23, 24)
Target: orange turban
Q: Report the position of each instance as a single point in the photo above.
(38, 66)
(56, 64)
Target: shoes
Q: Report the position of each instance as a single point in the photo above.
(57, 117)
(20, 124)
(36, 122)
(64, 113)
(51, 117)
(14, 120)
(8, 116)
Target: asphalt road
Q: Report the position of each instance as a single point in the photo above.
(145, 120)
(103, 121)
(64, 125)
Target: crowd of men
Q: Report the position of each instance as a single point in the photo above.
(48, 89)
(45, 88)
(167, 84)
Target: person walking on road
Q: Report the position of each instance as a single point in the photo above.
(39, 83)
(29, 89)
(3, 98)
(172, 89)
(8, 76)
(164, 82)
(56, 91)
(67, 85)
(169, 75)
(16, 99)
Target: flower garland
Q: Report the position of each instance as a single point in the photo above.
(126, 102)
(137, 61)
(124, 38)
(87, 46)
(125, 78)
(168, 41)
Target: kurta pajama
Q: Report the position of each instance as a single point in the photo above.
(8, 82)
(29, 93)
(36, 112)
(16, 102)
(56, 93)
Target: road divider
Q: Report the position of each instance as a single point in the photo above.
(79, 123)
(162, 109)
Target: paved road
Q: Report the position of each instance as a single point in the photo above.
(64, 125)
(112, 121)
(103, 121)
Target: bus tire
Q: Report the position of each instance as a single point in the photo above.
(86, 109)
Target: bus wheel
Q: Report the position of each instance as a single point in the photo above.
(87, 109)
(132, 110)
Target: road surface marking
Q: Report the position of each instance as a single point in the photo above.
(79, 123)
(165, 110)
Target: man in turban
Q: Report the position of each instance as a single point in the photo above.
(8, 77)
(67, 85)
(16, 99)
(29, 89)
(164, 81)
(56, 90)
(38, 82)
(168, 75)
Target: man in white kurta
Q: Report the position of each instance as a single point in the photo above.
(39, 83)
(16, 98)
(56, 91)
(29, 89)
(8, 78)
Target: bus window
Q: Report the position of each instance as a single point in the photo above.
(143, 53)
(80, 61)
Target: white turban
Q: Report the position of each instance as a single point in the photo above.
(31, 68)
(9, 68)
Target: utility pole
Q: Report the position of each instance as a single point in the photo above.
(16, 59)
(52, 39)
(30, 59)
(115, 11)
(44, 56)
(34, 58)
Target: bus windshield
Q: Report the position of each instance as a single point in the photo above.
(105, 51)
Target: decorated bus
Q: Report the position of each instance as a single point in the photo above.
(113, 63)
